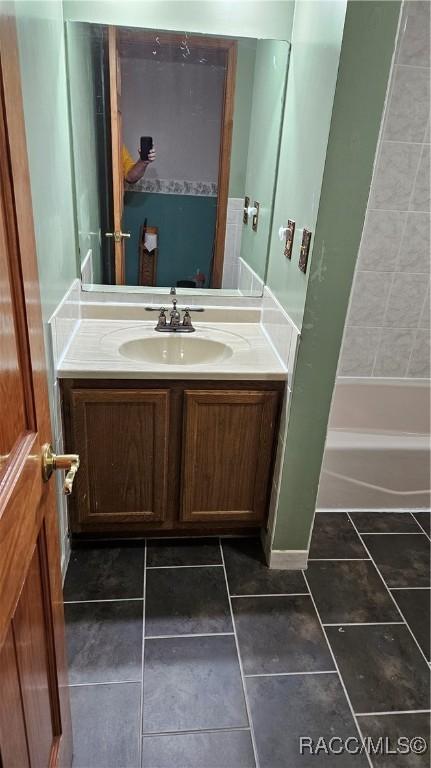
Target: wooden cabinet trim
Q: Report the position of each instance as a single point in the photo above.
(260, 456)
(79, 430)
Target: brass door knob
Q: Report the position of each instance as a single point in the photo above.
(67, 461)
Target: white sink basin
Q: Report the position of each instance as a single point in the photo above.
(175, 350)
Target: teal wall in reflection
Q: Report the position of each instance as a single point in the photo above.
(186, 233)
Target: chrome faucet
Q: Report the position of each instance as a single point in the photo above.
(175, 325)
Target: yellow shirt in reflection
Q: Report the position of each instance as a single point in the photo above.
(127, 160)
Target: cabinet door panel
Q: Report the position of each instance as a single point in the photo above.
(122, 439)
(227, 454)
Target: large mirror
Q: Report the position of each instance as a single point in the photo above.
(175, 148)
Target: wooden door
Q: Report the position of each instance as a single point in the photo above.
(117, 147)
(122, 437)
(228, 445)
(35, 728)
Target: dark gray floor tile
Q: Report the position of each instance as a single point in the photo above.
(105, 720)
(104, 641)
(403, 560)
(219, 749)
(335, 537)
(105, 573)
(382, 667)
(415, 607)
(385, 522)
(181, 601)
(183, 552)
(280, 634)
(392, 728)
(248, 574)
(285, 708)
(424, 519)
(192, 683)
(350, 591)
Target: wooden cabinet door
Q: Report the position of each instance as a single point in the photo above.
(227, 454)
(121, 436)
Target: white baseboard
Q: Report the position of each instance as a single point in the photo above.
(288, 559)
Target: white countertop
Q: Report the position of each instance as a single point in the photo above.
(94, 353)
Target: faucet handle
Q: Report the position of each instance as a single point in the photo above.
(187, 319)
(161, 322)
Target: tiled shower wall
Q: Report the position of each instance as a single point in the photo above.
(388, 323)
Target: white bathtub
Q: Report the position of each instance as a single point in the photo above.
(377, 453)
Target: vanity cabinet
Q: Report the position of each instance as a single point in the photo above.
(161, 456)
(227, 448)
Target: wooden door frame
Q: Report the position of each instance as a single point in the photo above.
(117, 170)
(224, 163)
(15, 182)
(230, 47)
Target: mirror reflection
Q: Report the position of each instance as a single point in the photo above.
(175, 146)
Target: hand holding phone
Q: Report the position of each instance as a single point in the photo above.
(145, 148)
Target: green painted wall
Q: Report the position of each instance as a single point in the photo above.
(365, 61)
(269, 18)
(43, 77)
(241, 116)
(316, 43)
(186, 227)
(84, 146)
(269, 88)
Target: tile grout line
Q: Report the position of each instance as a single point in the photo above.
(421, 526)
(164, 567)
(338, 559)
(391, 533)
(247, 705)
(360, 623)
(275, 594)
(104, 682)
(337, 668)
(293, 674)
(141, 709)
(388, 590)
(234, 728)
(395, 712)
(105, 600)
(190, 634)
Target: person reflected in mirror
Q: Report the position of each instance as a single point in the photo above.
(134, 170)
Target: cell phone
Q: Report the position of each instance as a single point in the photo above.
(146, 146)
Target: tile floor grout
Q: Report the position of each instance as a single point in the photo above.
(191, 634)
(276, 594)
(394, 712)
(141, 703)
(105, 600)
(233, 728)
(292, 674)
(361, 623)
(337, 669)
(244, 688)
(201, 565)
(390, 533)
(388, 589)
(420, 526)
(338, 559)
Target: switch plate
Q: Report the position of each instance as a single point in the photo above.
(246, 207)
(290, 234)
(255, 218)
(305, 250)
